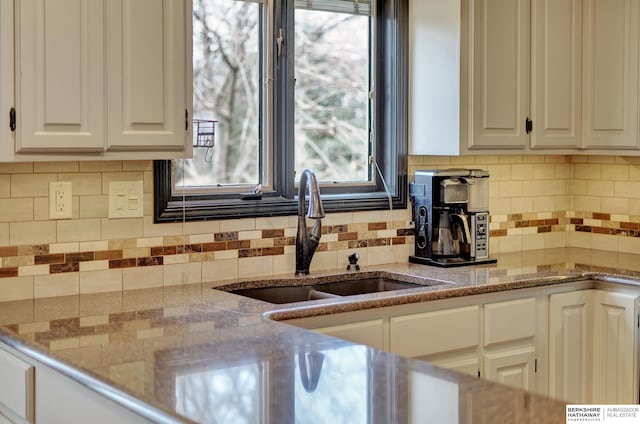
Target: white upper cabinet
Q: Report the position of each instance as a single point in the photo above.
(98, 79)
(610, 74)
(147, 74)
(60, 81)
(569, 67)
(499, 73)
(556, 65)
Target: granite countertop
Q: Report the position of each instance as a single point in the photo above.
(195, 354)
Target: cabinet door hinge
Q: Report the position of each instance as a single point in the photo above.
(528, 125)
(535, 365)
(12, 119)
(638, 320)
(186, 119)
(478, 373)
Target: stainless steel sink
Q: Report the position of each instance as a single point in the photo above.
(348, 287)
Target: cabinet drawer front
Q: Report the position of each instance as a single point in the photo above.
(435, 332)
(16, 385)
(511, 320)
(370, 333)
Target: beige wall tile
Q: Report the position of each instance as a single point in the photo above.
(16, 168)
(70, 247)
(233, 254)
(93, 266)
(587, 171)
(93, 246)
(627, 189)
(378, 255)
(532, 241)
(255, 267)
(100, 166)
(5, 186)
(511, 189)
(275, 222)
(604, 242)
(79, 230)
(53, 285)
(284, 264)
(510, 243)
(166, 229)
(337, 218)
(94, 206)
(201, 227)
(437, 161)
(615, 205)
(16, 288)
(83, 183)
(142, 277)
(54, 167)
(323, 261)
(521, 204)
(4, 234)
(250, 235)
(137, 165)
(101, 281)
(523, 171)
(587, 203)
(222, 269)
(33, 270)
(12, 210)
(41, 208)
(600, 188)
(499, 172)
(238, 224)
(629, 244)
(36, 232)
(615, 172)
(31, 185)
(186, 273)
(544, 204)
(149, 241)
(121, 228)
(371, 216)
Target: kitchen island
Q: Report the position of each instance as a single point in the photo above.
(195, 354)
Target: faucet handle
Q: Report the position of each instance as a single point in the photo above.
(353, 262)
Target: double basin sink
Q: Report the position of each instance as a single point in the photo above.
(348, 285)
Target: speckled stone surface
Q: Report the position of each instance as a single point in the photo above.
(207, 356)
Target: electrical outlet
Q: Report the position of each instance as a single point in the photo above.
(60, 206)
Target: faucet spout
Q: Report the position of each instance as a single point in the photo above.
(307, 242)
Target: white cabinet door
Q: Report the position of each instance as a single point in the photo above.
(570, 345)
(499, 74)
(62, 400)
(514, 368)
(16, 386)
(615, 374)
(60, 84)
(610, 74)
(370, 333)
(556, 73)
(449, 338)
(148, 59)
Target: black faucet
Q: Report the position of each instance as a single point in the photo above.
(307, 243)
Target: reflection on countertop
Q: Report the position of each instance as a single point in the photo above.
(208, 356)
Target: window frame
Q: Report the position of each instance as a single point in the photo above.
(391, 76)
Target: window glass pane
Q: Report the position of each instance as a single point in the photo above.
(332, 95)
(226, 88)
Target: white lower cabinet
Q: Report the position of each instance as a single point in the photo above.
(593, 347)
(370, 333)
(31, 392)
(16, 388)
(448, 338)
(570, 342)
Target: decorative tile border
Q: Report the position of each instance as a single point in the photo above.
(127, 253)
(535, 222)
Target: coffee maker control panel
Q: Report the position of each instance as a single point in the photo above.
(481, 240)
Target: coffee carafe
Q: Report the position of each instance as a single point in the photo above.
(450, 211)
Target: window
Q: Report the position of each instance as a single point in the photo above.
(292, 85)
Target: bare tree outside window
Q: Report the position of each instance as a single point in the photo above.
(332, 89)
(226, 84)
(331, 94)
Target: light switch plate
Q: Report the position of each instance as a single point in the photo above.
(125, 199)
(60, 206)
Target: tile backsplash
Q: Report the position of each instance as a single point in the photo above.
(535, 202)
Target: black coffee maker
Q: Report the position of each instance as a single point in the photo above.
(451, 216)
